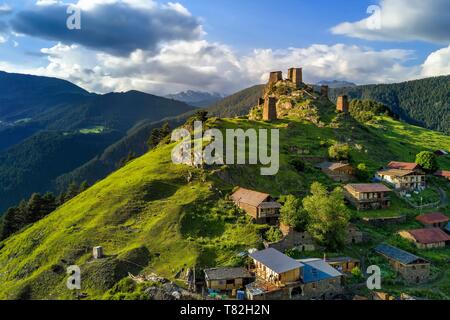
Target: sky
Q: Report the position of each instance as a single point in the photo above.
(223, 46)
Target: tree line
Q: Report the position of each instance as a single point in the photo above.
(35, 208)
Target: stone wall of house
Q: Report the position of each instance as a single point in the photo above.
(325, 289)
(292, 239)
(414, 273)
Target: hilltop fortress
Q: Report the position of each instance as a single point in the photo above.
(274, 99)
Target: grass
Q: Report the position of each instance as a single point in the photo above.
(148, 218)
(93, 130)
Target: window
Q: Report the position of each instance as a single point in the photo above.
(230, 281)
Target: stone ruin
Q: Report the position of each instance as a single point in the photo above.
(275, 76)
(324, 91)
(270, 109)
(295, 75)
(342, 104)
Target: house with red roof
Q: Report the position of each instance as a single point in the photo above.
(443, 174)
(403, 166)
(433, 220)
(366, 196)
(428, 238)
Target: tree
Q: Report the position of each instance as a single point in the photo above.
(157, 135)
(84, 186)
(328, 216)
(292, 213)
(361, 172)
(339, 151)
(427, 161)
(273, 234)
(72, 191)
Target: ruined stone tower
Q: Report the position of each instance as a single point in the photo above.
(295, 75)
(342, 104)
(270, 109)
(324, 91)
(275, 76)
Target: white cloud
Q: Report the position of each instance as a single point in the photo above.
(200, 65)
(437, 63)
(2, 39)
(404, 20)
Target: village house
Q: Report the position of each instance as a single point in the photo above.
(443, 174)
(279, 277)
(292, 239)
(400, 179)
(433, 220)
(260, 206)
(411, 267)
(227, 279)
(404, 166)
(354, 235)
(344, 264)
(365, 196)
(428, 238)
(337, 171)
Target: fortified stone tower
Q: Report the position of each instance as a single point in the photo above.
(275, 76)
(270, 109)
(342, 104)
(324, 91)
(295, 75)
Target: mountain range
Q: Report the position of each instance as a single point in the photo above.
(196, 98)
(42, 119)
(152, 216)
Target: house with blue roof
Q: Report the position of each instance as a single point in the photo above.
(279, 277)
(412, 268)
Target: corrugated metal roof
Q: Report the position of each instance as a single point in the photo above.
(395, 172)
(275, 260)
(397, 254)
(402, 165)
(433, 217)
(429, 235)
(316, 270)
(331, 165)
(368, 187)
(226, 273)
(250, 197)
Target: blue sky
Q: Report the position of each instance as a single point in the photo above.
(219, 45)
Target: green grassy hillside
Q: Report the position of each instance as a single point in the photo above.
(149, 218)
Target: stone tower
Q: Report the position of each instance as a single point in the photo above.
(275, 76)
(324, 91)
(342, 104)
(295, 75)
(270, 109)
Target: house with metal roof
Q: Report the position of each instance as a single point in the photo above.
(412, 268)
(227, 279)
(433, 220)
(402, 179)
(260, 206)
(281, 277)
(428, 238)
(365, 196)
(337, 171)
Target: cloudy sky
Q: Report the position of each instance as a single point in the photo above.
(221, 45)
